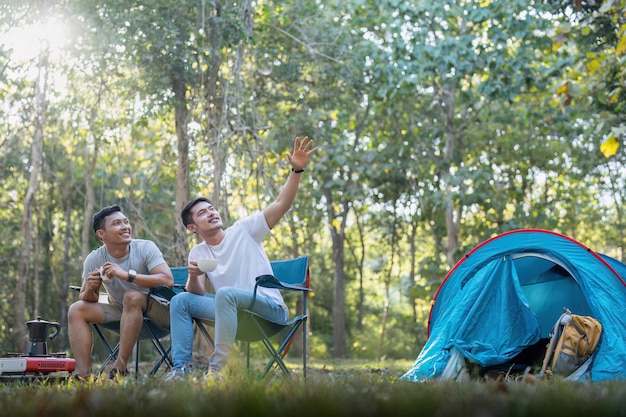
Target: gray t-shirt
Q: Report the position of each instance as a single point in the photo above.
(143, 256)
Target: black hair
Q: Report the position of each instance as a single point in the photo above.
(98, 219)
(186, 215)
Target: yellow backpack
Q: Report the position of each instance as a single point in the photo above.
(574, 339)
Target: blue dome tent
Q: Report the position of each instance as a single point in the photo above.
(505, 295)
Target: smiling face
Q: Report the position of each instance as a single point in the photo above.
(116, 229)
(205, 219)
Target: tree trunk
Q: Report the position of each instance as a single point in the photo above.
(339, 296)
(619, 209)
(25, 258)
(215, 101)
(384, 320)
(182, 173)
(388, 271)
(181, 117)
(453, 219)
(90, 197)
(412, 273)
(63, 343)
(360, 261)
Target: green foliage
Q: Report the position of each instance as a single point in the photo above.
(595, 41)
(439, 125)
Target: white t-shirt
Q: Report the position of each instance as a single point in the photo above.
(144, 255)
(240, 257)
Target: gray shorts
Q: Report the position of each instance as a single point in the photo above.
(156, 311)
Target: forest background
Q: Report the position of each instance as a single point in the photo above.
(440, 124)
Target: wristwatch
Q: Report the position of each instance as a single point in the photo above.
(132, 274)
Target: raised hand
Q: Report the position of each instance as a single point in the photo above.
(301, 153)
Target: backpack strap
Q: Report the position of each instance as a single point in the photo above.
(553, 340)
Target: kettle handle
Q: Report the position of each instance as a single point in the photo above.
(57, 330)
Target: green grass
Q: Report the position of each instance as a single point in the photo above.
(332, 388)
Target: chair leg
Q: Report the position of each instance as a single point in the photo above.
(165, 358)
(276, 353)
(248, 356)
(163, 353)
(276, 359)
(137, 359)
(111, 352)
(205, 333)
(304, 348)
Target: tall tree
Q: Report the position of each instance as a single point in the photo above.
(459, 57)
(40, 99)
(182, 48)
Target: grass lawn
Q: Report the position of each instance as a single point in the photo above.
(332, 388)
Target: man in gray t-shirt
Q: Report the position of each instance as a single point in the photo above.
(127, 268)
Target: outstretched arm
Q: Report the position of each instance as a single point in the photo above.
(298, 160)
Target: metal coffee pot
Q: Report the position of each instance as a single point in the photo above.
(38, 331)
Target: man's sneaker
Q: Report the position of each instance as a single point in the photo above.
(213, 376)
(81, 379)
(176, 375)
(117, 373)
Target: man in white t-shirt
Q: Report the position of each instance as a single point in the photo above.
(240, 259)
(127, 268)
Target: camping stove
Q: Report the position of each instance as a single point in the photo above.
(37, 363)
(23, 367)
(24, 364)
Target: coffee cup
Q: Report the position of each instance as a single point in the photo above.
(207, 265)
(104, 277)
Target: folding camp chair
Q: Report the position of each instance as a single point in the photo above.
(289, 275)
(149, 331)
(180, 274)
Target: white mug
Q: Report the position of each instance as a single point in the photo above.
(207, 265)
(104, 277)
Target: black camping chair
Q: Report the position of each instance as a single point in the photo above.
(150, 331)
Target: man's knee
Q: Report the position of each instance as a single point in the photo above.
(83, 312)
(224, 294)
(73, 312)
(180, 301)
(232, 296)
(134, 298)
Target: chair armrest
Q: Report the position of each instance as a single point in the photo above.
(162, 291)
(102, 296)
(270, 281)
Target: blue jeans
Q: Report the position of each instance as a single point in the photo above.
(222, 309)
